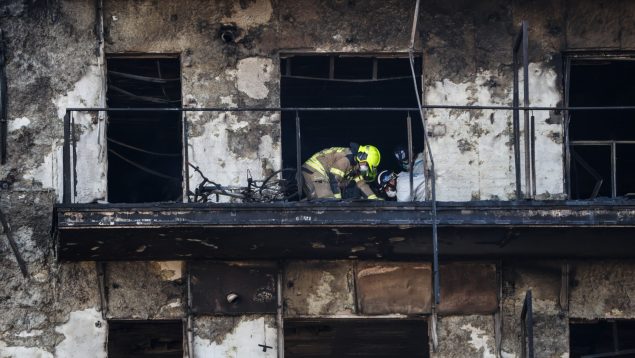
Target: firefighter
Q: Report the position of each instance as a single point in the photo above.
(328, 171)
(387, 185)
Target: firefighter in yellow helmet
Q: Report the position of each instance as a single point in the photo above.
(327, 171)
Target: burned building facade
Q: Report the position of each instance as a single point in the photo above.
(108, 106)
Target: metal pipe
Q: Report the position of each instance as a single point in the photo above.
(74, 146)
(190, 320)
(352, 109)
(528, 325)
(533, 157)
(415, 20)
(3, 103)
(298, 156)
(66, 164)
(279, 314)
(613, 169)
(529, 185)
(101, 278)
(566, 149)
(601, 142)
(410, 157)
(435, 240)
(516, 119)
(186, 148)
(14, 246)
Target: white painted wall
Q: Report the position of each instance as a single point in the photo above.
(241, 342)
(474, 159)
(82, 336)
(91, 149)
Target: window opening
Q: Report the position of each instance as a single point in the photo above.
(602, 143)
(356, 338)
(144, 148)
(602, 339)
(337, 81)
(141, 339)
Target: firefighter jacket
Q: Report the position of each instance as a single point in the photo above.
(337, 165)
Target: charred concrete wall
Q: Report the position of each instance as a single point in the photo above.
(55, 59)
(467, 60)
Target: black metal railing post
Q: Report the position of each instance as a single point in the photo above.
(74, 152)
(529, 161)
(298, 155)
(516, 113)
(66, 160)
(411, 158)
(186, 160)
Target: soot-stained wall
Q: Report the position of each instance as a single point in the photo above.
(55, 59)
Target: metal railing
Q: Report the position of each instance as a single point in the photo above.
(69, 150)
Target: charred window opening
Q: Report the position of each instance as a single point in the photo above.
(602, 142)
(407, 338)
(144, 148)
(145, 339)
(602, 339)
(348, 81)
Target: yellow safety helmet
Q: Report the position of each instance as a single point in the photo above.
(369, 154)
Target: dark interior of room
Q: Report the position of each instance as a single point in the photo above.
(340, 81)
(145, 339)
(602, 83)
(598, 337)
(144, 148)
(339, 338)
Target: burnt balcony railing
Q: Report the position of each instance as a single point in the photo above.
(70, 136)
(70, 147)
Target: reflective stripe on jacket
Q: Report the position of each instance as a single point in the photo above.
(337, 163)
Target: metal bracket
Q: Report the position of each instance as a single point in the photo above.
(527, 327)
(498, 316)
(14, 247)
(279, 314)
(564, 288)
(101, 281)
(433, 330)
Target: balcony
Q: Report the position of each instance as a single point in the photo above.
(334, 230)
(364, 230)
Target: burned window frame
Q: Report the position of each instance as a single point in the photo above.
(138, 323)
(568, 57)
(411, 121)
(183, 183)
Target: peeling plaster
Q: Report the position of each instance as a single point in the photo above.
(23, 352)
(474, 152)
(322, 295)
(171, 270)
(256, 13)
(91, 163)
(18, 123)
(228, 147)
(241, 341)
(83, 337)
(252, 74)
(478, 340)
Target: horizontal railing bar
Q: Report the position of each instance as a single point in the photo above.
(600, 142)
(332, 109)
